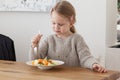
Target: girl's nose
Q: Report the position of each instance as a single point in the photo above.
(57, 26)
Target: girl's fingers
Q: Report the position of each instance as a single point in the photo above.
(99, 68)
(36, 40)
(102, 70)
(34, 45)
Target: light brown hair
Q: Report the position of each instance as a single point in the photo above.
(66, 9)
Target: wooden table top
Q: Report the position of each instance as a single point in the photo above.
(20, 71)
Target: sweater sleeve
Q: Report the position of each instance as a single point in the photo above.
(40, 51)
(32, 53)
(85, 57)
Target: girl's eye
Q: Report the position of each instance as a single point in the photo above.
(60, 24)
(53, 23)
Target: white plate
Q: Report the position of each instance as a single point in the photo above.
(43, 67)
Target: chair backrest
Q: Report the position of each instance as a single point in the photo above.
(7, 51)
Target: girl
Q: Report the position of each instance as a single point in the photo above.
(65, 44)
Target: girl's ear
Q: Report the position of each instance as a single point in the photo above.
(72, 20)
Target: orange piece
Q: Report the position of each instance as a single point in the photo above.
(45, 62)
(40, 60)
(32, 62)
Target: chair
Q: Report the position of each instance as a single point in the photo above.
(7, 51)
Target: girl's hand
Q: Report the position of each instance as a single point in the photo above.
(36, 40)
(99, 68)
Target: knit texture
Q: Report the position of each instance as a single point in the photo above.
(72, 50)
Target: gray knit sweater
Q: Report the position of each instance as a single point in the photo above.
(72, 50)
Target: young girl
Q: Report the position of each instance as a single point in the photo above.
(65, 44)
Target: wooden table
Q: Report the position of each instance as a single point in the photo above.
(20, 71)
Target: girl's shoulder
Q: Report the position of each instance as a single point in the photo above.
(77, 36)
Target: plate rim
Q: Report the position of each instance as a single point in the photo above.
(29, 63)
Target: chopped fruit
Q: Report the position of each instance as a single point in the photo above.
(45, 62)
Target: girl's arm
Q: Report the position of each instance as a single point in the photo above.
(39, 51)
(33, 54)
(85, 57)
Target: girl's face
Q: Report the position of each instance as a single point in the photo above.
(60, 24)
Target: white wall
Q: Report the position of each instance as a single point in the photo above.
(21, 26)
(91, 24)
